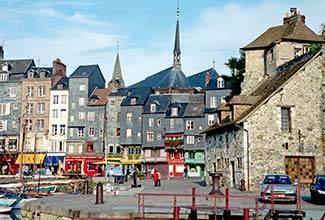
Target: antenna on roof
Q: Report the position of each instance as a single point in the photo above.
(214, 64)
(177, 11)
(38, 61)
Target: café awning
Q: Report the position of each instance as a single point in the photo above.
(31, 158)
(123, 161)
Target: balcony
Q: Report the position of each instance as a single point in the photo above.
(177, 143)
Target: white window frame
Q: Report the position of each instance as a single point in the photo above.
(41, 108)
(54, 130)
(30, 91)
(63, 99)
(128, 132)
(91, 116)
(190, 139)
(211, 120)
(55, 113)
(81, 132)
(189, 125)
(213, 102)
(150, 136)
(12, 92)
(41, 91)
(153, 107)
(29, 108)
(82, 87)
(174, 111)
(4, 108)
(62, 129)
(91, 131)
(221, 82)
(3, 125)
(81, 115)
(129, 117)
(55, 99)
(151, 122)
(82, 101)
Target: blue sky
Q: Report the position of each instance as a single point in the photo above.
(85, 32)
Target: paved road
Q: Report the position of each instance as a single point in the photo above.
(125, 201)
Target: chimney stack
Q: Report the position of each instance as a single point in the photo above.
(294, 16)
(1, 53)
(59, 70)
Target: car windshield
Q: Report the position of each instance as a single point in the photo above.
(277, 179)
(321, 180)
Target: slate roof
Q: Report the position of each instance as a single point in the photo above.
(19, 66)
(141, 94)
(84, 71)
(295, 30)
(62, 81)
(119, 92)
(194, 109)
(269, 86)
(167, 78)
(198, 79)
(99, 97)
(161, 101)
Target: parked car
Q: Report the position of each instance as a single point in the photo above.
(317, 188)
(283, 188)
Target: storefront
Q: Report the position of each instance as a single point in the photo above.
(84, 165)
(54, 163)
(32, 162)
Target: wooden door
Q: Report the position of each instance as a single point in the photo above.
(300, 169)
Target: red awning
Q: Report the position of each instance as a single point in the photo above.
(174, 135)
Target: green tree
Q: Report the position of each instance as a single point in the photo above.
(237, 69)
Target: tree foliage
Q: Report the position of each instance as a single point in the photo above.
(237, 69)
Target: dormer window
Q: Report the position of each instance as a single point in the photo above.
(133, 101)
(5, 67)
(221, 83)
(153, 107)
(174, 111)
(30, 74)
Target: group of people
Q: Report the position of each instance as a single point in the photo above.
(155, 174)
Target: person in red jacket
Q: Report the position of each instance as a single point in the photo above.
(155, 177)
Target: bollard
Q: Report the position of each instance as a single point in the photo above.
(246, 213)
(86, 186)
(99, 193)
(176, 212)
(193, 214)
(226, 215)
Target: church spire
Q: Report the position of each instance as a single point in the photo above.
(117, 79)
(177, 47)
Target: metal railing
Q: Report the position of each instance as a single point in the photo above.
(177, 201)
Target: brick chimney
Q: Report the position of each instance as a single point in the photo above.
(294, 16)
(207, 78)
(1, 53)
(59, 69)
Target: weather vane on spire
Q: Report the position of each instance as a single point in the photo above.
(117, 46)
(177, 11)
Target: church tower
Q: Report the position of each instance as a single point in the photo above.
(117, 80)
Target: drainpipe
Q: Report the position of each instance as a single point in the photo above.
(247, 153)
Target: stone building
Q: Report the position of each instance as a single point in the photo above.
(276, 125)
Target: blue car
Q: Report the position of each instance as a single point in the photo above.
(317, 189)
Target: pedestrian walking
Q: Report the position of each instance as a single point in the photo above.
(159, 176)
(155, 178)
(185, 175)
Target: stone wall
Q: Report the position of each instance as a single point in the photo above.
(254, 70)
(304, 94)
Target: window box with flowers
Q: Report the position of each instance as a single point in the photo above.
(174, 143)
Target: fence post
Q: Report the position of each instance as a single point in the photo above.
(99, 193)
(176, 212)
(193, 214)
(227, 198)
(246, 213)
